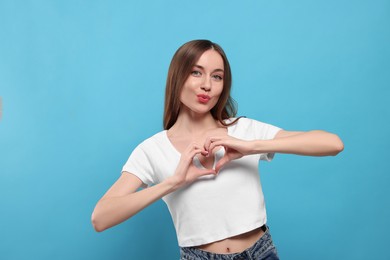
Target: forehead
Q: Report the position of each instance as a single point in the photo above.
(210, 59)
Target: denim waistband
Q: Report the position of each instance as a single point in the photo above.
(254, 252)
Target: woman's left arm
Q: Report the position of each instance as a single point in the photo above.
(312, 143)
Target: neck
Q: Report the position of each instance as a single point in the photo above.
(192, 123)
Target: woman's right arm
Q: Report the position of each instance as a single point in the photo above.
(123, 201)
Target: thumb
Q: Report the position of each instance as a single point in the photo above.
(224, 160)
(206, 172)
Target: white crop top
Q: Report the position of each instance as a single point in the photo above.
(213, 207)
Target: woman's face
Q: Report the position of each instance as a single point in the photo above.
(204, 85)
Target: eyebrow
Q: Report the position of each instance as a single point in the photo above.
(201, 67)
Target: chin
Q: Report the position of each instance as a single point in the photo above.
(201, 110)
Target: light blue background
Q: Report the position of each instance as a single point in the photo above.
(82, 83)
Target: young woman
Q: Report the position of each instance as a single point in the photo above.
(204, 165)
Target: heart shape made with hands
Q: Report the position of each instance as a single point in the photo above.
(217, 156)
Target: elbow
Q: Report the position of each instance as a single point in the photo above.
(96, 223)
(338, 145)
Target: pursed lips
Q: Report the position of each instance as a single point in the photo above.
(203, 98)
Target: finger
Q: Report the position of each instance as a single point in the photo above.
(204, 153)
(216, 144)
(190, 153)
(209, 141)
(195, 152)
(198, 150)
(224, 160)
(192, 147)
(207, 172)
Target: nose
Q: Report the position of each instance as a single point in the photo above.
(206, 84)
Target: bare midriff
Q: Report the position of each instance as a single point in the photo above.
(234, 244)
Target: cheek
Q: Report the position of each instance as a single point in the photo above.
(217, 96)
(182, 96)
(219, 90)
(185, 92)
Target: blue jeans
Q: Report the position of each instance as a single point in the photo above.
(263, 249)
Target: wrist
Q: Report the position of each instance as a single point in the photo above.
(257, 146)
(173, 183)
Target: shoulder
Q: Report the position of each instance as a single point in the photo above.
(251, 128)
(152, 141)
(244, 122)
(240, 126)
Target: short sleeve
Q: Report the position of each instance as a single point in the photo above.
(139, 164)
(265, 131)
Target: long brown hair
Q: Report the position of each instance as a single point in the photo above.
(179, 70)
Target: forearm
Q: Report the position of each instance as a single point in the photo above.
(114, 210)
(312, 143)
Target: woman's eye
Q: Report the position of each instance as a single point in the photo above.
(218, 77)
(195, 73)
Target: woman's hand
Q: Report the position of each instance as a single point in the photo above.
(234, 148)
(186, 172)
